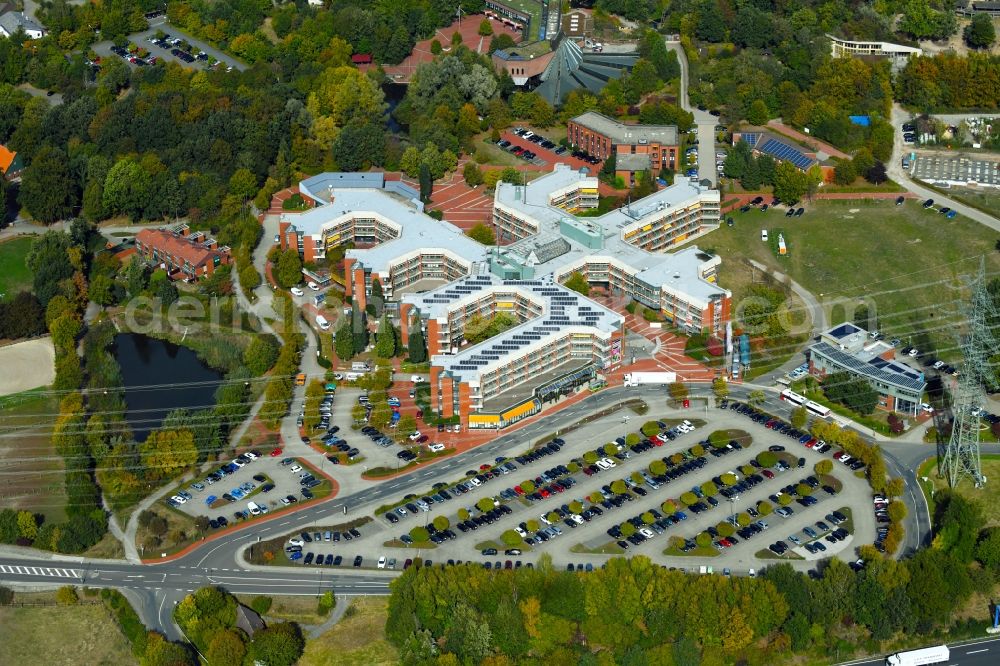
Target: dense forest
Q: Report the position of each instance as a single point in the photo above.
(634, 612)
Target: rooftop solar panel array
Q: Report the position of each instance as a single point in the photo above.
(783, 151)
(751, 138)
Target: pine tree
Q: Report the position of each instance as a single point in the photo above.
(416, 347)
(359, 329)
(385, 339)
(426, 184)
(343, 341)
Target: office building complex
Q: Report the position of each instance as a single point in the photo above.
(559, 339)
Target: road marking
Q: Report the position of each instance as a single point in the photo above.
(39, 571)
(977, 651)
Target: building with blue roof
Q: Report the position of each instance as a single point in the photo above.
(849, 348)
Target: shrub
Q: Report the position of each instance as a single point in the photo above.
(510, 538)
(67, 596)
(261, 604)
(704, 539)
(767, 459)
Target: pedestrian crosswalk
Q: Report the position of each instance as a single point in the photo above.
(39, 571)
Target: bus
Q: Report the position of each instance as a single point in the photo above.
(818, 409)
(788, 395)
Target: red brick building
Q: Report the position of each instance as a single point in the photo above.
(183, 254)
(602, 137)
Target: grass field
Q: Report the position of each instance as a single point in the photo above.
(301, 609)
(907, 260)
(359, 638)
(987, 497)
(57, 635)
(31, 468)
(14, 275)
(987, 200)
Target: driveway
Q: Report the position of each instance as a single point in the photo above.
(704, 121)
(902, 176)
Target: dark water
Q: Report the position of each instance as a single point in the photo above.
(160, 377)
(394, 93)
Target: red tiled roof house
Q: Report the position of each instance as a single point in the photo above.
(183, 254)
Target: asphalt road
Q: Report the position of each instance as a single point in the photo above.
(975, 653)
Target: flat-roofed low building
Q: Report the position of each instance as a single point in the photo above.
(849, 348)
(602, 137)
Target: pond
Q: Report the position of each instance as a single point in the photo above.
(394, 93)
(160, 377)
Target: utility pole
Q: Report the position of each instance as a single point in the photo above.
(961, 455)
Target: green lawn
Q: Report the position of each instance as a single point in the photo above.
(987, 200)
(906, 259)
(987, 497)
(14, 275)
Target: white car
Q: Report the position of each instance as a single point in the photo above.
(926, 407)
(475, 482)
(913, 352)
(381, 562)
(313, 286)
(938, 365)
(296, 542)
(295, 468)
(178, 499)
(609, 462)
(251, 455)
(415, 435)
(520, 531)
(435, 447)
(296, 291)
(416, 378)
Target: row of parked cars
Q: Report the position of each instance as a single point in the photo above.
(178, 48)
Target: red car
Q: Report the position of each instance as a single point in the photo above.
(811, 443)
(544, 493)
(768, 473)
(275, 453)
(518, 490)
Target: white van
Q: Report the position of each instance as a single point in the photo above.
(763, 235)
(323, 324)
(353, 376)
(253, 508)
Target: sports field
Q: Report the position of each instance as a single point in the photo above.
(909, 261)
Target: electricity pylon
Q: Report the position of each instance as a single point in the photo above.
(961, 456)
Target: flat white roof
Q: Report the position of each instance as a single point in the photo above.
(418, 232)
(676, 271)
(564, 312)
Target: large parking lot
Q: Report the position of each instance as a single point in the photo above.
(749, 496)
(252, 484)
(956, 170)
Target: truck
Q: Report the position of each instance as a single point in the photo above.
(931, 655)
(639, 378)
